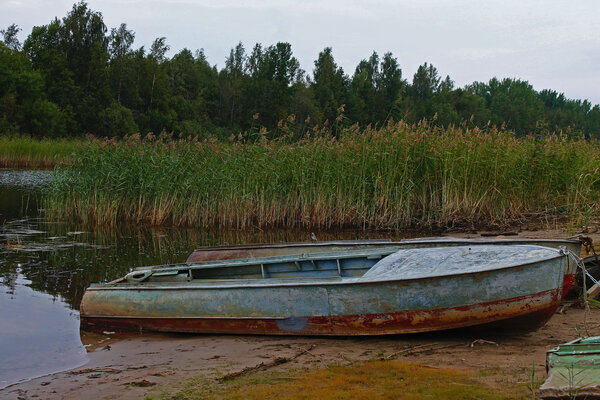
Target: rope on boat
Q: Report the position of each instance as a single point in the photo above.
(592, 278)
(579, 262)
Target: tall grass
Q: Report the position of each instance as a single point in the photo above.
(400, 176)
(26, 152)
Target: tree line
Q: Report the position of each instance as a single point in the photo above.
(74, 76)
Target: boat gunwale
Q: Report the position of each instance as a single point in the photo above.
(294, 244)
(449, 239)
(577, 347)
(435, 239)
(200, 284)
(248, 261)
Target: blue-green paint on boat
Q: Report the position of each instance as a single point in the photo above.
(358, 292)
(573, 370)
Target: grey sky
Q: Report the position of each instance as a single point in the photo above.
(552, 44)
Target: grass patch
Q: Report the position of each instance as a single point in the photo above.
(398, 177)
(370, 380)
(29, 153)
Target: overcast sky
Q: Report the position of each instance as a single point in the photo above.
(551, 43)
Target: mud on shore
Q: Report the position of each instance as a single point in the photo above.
(148, 365)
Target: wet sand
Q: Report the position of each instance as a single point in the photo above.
(144, 365)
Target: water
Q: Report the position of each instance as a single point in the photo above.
(39, 335)
(45, 266)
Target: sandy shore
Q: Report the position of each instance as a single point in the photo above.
(146, 365)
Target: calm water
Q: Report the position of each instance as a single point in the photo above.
(45, 267)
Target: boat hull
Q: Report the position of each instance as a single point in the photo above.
(512, 315)
(346, 306)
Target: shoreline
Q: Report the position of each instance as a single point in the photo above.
(28, 166)
(148, 365)
(152, 365)
(396, 178)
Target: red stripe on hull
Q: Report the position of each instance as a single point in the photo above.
(523, 313)
(568, 282)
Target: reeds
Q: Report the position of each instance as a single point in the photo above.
(26, 152)
(397, 177)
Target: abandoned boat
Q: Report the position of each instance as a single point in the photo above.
(378, 291)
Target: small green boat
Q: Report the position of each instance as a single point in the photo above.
(573, 370)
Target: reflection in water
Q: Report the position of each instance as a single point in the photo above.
(39, 333)
(63, 260)
(20, 191)
(46, 266)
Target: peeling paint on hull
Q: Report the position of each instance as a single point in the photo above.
(522, 296)
(507, 314)
(568, 282)
(573, 371)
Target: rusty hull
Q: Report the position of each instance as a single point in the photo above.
(521, 314)
(524, 295)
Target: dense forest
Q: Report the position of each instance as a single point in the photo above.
(74, 76)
